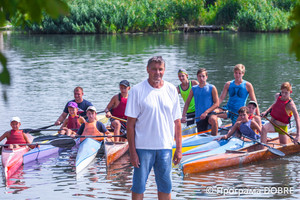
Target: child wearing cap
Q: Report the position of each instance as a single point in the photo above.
(15, 136)
(74, 120)
(92, 126)
(184, 90)
(116, 107)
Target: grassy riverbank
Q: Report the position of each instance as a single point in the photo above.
(120, 16)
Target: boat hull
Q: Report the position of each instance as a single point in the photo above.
(241, 157)
(114, 150)
(87, 152)
(12, 160)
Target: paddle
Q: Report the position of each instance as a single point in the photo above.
(45, 127)
(245, 130)
(58, 137)
(229, 111)
(120, 119)
(99, 136)
(281, 130)
(58, 142)
(39, 130)
(212, 113)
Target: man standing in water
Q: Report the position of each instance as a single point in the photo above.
(153, 112)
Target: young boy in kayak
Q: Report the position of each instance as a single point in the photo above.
(252, 105)
(243, 121)
(92, 126)
(15, 136)
(74, 120)
(238, 90)
(206, 101)
(281, 112)
(184, 90)
(116, 108)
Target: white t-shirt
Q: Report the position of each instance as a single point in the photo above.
(155, 111)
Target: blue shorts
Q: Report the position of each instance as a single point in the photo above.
(161, 161)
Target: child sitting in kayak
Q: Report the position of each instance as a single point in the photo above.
(93, 127)
(15, 136)
(281, 111)
(116, 108)
(252, 105)
(73, 122)
(244, 121)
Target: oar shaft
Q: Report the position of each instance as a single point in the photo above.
(120, 119)
(26, 144)
(281, 129)
(98, 136)
(229, 111)
(39, 130)
(190, 119)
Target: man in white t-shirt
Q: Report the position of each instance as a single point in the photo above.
(153, 119)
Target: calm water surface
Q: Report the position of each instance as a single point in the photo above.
(46, 68)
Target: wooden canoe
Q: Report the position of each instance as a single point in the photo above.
(114, 150)
(243, 156)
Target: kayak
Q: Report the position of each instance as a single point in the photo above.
(87, 152)
(43, 151)
(194, 140)
(202, 152)
(47, 150)
(240, 157)
(199, 144)
(233, 143)
(114, 150)
(12, 159)
(192, 129)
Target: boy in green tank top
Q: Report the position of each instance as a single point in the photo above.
(184, 89)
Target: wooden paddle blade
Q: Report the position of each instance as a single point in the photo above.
(276, 152)
(63, 142)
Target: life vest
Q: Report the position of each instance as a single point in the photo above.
(119, 111)
(16, 137)
(278, 111)
(185, 94)
(90, 129)
(73, 122)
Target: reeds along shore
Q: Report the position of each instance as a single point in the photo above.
(122, 16)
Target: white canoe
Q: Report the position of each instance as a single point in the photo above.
(87, 152)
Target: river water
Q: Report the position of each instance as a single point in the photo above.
(46, 68)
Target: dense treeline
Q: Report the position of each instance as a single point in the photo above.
(118, 16)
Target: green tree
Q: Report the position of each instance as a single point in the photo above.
(295, 32)
(22, 10)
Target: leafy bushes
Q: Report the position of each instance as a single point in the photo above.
(118, 16)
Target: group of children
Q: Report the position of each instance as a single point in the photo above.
(202, 105)
(76, 124)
